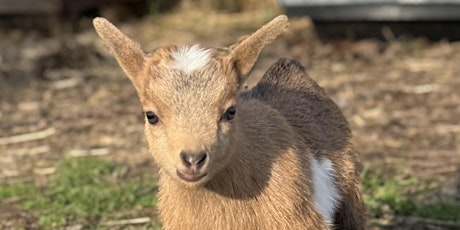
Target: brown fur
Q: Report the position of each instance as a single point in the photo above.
(323, 128)
(257, 174)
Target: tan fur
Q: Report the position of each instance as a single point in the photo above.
(245, 54)
(257, 173)
(128, 53)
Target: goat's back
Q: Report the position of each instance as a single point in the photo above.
(287, 88)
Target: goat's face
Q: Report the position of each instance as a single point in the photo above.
(188, 96)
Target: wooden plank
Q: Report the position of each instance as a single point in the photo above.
(30, 6)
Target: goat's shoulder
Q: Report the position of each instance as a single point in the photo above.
(288, 73)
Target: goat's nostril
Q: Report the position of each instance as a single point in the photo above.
(186, 160)
(201, 159)
(193, 160)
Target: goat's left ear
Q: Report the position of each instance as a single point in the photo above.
(244, 55)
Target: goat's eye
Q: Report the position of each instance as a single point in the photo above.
(151, 117)
(229, 114)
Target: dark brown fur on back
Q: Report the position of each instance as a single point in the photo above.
(287, 88)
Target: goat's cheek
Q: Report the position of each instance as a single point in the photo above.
(224, 129)
(159, 147)
(223, 138)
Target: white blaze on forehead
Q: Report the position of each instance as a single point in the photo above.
(190, 58)
(325, 192)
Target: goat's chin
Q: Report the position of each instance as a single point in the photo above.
(185, 180)
(193, 184)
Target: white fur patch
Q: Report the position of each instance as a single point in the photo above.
(190, 58)
(325, 192)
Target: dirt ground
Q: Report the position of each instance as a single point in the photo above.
(65, 96)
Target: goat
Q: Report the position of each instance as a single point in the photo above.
(277, 156)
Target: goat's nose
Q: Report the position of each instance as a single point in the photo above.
(193, 161)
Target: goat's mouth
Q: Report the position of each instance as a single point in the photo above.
(190, 177)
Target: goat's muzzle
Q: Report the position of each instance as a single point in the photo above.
(192, 164)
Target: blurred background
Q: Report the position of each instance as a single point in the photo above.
(72, 149)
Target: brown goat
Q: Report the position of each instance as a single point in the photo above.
(275, 157)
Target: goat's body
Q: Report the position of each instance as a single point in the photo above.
(275, 157)
(283, 124)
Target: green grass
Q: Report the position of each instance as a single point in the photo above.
(84, 190)
(391, 194)
(88, 190)
(441, 211)
(16, 190)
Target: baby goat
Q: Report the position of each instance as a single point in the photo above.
(277, 156)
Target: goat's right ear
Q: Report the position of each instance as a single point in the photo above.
(127, 52)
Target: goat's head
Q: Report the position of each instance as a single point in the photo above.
(189, 95)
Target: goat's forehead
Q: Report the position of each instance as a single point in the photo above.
(203, 84)
(189, 74)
